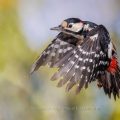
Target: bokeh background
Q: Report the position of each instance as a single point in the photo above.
(24, 33)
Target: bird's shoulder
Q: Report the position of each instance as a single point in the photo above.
(100, 29)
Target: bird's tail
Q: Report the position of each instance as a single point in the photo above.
(110, 79)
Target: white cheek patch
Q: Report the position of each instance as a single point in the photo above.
(76, 27)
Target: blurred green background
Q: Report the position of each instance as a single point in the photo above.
(24, 33)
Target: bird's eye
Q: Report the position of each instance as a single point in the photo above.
(70, 25)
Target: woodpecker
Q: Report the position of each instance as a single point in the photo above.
(83, 52)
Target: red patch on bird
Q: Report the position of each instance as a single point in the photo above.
(113, 66)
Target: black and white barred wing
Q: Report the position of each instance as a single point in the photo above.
(53, 53)
(81, 65)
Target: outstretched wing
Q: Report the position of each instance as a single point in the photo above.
(59, 47)
(85, 62)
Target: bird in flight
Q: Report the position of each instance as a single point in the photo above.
(83, 52)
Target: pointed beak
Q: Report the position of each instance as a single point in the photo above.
(59, 28)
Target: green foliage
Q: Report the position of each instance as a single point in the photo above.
(15, 62)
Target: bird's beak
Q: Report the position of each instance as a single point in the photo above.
(59, 28)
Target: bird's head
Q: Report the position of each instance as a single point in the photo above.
(70, 26)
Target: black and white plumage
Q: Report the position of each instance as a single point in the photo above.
(83, 52)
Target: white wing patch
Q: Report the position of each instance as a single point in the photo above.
(110, 47)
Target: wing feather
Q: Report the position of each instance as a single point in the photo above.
(54, 52)
(82, 64)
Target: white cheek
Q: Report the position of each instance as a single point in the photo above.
(78, 27)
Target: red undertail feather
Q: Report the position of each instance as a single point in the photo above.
(113, 65)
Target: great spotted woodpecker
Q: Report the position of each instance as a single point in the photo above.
(83, 52)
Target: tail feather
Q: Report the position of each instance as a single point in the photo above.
(111, 83)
